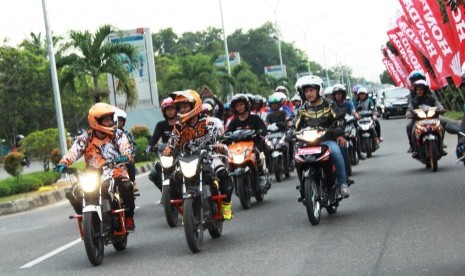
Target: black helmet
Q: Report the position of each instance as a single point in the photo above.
(240, 98)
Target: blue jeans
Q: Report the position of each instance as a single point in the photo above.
(338, 160)
(345, 155)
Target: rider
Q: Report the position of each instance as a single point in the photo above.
(364, 103)
(318, 111)
(346, 107)
(131, 166)
(287, 105)
(328, 93)
(297, 102)
(101, 143)
(412, 78)
(193, 131)
(162, 130)
(423, 96)
(245, 120)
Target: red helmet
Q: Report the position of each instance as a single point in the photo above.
(167, 103)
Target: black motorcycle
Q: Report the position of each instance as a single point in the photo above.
(277, 143)
(367, 133)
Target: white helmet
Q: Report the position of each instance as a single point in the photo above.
(281, 88)
(280, 96)
(312, 81)
(119, 113)
(328, 91)
(296, 98)
(362, 90)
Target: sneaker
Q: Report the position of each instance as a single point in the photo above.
(344, 190)
(135, 187)
(415, 154)
(443, 152)
(410, 150)
(129, 223)
(227, 213)
(381, 139)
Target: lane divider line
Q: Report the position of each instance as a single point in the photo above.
(48, 255)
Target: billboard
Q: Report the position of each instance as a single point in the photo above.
(275, 71)
(146, 111)
(234, 59)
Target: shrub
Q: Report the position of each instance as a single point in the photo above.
(27, 183)
(55, 156)
(141, 155)
(13, 163)
(5, 190)
(140, 131)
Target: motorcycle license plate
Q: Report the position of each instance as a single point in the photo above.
(312, 150)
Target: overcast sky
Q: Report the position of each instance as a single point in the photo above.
(349, 32)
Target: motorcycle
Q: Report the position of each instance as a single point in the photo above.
(455, 129)
(201, 205)
(243, 166)
(102, 220)
(318, 174)
(366, 132)
(426, 136)
(170, 189)
(277, 142)
(350, 133)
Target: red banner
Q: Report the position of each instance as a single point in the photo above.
(457, 23)
(393, 35)
(392, 72)
(426, 16)
(398, 66)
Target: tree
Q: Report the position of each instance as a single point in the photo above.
(385, 78)
(95, 57)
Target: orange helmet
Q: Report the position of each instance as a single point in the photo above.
(96, 114)
(187, 96)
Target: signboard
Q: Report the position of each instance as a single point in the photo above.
(275, 71)
(234, 59)
(146, 112)
(143, 77)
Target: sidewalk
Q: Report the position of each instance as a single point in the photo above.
(29, 203)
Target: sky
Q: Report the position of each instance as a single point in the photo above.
(330, 32)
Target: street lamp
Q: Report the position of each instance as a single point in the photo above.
(324, 55)
(226, 50)
(283, 73)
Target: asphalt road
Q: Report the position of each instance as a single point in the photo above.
(401, 219)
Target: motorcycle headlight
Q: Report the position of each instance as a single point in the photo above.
(166, 161)
(431, 112)
(239, 158)
(88, 181)
(189, 169)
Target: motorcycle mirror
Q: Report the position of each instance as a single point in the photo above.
(452, 128)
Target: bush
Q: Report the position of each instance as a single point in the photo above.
(140, 131)
(55, 156)
(141, 155)
(27, 183)
(13, 163)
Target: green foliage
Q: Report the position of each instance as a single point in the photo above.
(41, 143)
(27, 183)
(13, 164)
(385, 78)
(141, 155)
(55, 156)
(140, 131)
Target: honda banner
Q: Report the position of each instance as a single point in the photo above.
(392, 72)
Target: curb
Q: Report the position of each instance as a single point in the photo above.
(32, 202)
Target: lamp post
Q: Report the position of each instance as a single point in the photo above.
(283, 73)
(226, 51)
(56, 89)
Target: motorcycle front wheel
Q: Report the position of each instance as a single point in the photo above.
(312, 201)
(120, 243)
(216, 227)
(93, 238)
(243, 189)
(171, 212)
(432, 153)
(193, 227)
(278, 168)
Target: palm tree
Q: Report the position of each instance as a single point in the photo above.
(94, 57)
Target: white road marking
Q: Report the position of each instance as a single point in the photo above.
(54, 252)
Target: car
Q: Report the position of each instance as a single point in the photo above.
(394, 102)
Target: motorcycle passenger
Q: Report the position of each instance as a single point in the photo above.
(258, 107)
(210, 98)
(162, 130)
(101, 143)
(191, 133)
(423, 96)
(347, 107)
(364, 103)
(245, 120)
(287, 105)
(207, 109)
(328, 93)
(412, 78)
(297, 102)
(131, 166)
(319, 111)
